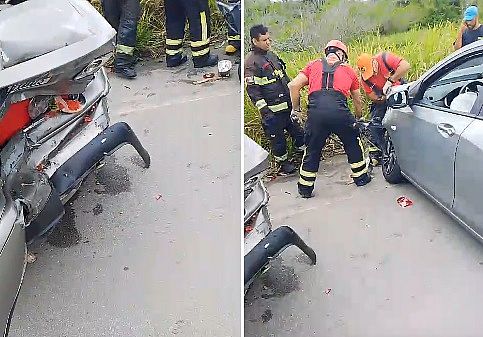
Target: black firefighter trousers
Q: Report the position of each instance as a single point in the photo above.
(197, 13)
(123, 16)
(319, 125)
(378, 111)
(274, 125)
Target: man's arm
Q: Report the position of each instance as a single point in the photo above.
(295, 86)
(401, 71)
(357, 100)
(372, 95)
(459, 39)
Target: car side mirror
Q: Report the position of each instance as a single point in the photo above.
(398, 100)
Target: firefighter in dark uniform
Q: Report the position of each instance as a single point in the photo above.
(330, 82)
(234, 38)
(197, 13)
(267, 86)
(123, 16)
(378, 74)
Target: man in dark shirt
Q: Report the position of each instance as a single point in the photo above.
(471, 30)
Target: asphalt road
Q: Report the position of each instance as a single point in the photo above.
(382, 270)
(150, 252)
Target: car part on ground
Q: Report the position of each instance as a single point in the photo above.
(261, 244)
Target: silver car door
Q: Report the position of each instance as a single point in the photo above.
(432, 136)
(431, 128)
(468, 182)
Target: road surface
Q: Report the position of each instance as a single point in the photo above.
(382, 270)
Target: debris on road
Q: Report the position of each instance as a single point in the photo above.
(404, 201)
(31, 257)
(159, 196)
(208, 75)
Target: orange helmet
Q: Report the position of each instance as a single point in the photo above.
(337, 44)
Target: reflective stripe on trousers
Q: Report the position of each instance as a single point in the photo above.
(197, 13)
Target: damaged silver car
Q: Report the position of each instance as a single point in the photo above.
(261, 244)
(54, 122)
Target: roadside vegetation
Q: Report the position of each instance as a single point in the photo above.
(152, 30)
(420, 31)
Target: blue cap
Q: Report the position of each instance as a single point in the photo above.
(471, 13)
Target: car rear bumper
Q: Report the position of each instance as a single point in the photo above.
(270, 247)
(71, 173)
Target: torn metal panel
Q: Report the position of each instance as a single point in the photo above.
(47, 126)
(100, 121)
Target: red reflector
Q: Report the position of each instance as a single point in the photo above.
(248, 229)
(15, 119)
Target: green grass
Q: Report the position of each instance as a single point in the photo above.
(421, 47)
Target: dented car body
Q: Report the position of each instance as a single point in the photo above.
(54, 122)
(261, 244)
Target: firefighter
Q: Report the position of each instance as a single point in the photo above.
(266, 82)
(197, 13)
(378, 75)
(331, 80)
(123, 16)
(234, 38)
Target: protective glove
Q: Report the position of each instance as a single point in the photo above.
(294, 116)
(386, 88)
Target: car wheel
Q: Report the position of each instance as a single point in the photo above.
(390, 167)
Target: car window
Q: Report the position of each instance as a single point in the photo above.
(470, 67)
(446, 91)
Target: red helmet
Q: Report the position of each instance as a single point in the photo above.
(337, 44)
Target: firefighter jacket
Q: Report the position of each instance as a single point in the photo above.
(266, 81)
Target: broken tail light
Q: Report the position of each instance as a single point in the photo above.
(15, 118)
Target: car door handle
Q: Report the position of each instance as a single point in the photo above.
(446, 129)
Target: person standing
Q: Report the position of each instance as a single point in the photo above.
(378, 74)
(123, 16)
(197, 13)
(471, 30)
(267, 86)
(234, 38)
(331, 81)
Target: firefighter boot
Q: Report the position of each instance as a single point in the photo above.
(124, 65)
(287, 167)
(175, 60)
(231, 49)
(362, 180)
(305, 191)
(205, 61)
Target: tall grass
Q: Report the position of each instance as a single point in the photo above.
(421, 47)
